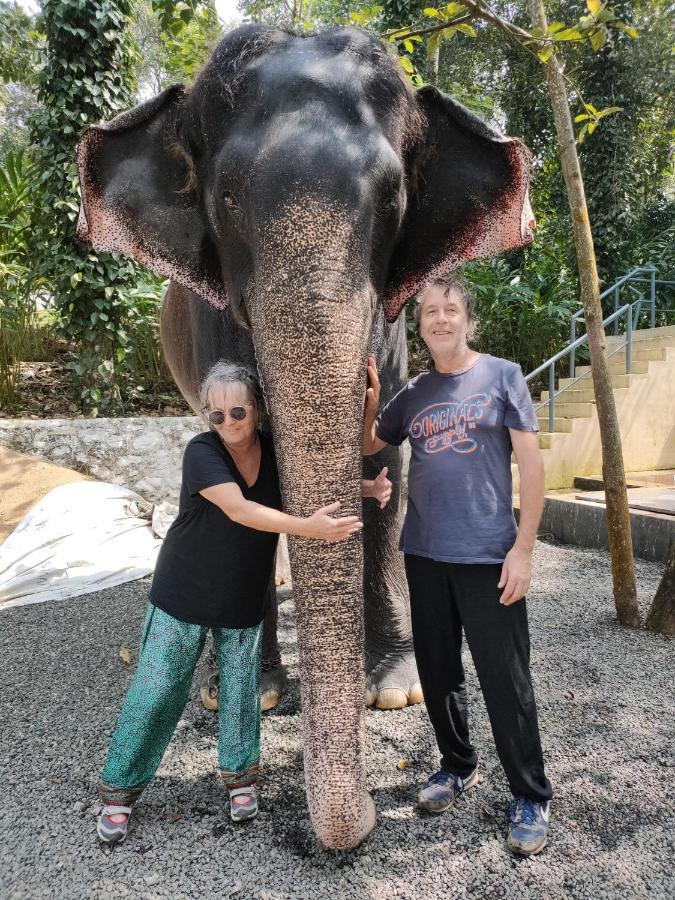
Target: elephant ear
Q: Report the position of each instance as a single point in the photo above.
(134, 198)
(467, 198)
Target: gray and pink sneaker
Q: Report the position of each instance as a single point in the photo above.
(113, 823)
(243, 803)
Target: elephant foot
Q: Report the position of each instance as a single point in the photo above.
(393, 682)
(273, 685)
(208, 682)
(336, 832)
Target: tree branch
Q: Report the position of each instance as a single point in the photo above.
(480, 12)
(432, 28)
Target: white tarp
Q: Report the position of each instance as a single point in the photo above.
(79, 538)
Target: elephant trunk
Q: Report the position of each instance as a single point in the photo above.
(311, 352)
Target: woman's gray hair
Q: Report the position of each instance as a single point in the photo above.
(449, 283)
(224, 373)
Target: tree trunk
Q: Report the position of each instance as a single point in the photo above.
(618, 519)
(661, 616)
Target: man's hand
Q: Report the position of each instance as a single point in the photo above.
(380, 488)
(373, 389)
(516, 575)
(371, 443)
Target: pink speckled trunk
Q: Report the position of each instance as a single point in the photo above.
(312, 353)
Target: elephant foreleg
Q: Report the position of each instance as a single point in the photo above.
(273, 681)
(392, 680)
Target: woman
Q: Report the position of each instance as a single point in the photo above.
(213, 572)
(468, 566)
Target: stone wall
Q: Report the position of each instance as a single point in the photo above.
(143, 453)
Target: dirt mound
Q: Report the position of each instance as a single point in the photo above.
(23, 481)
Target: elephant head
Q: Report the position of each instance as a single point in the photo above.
(303, 183)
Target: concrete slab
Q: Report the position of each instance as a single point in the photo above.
(656, 476)
(583, 523)
(650, 500)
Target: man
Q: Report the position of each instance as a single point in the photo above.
(468, 566)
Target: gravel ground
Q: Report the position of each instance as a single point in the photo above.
(606, 711)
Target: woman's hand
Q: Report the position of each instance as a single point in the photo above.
(322, 526)
(373, 389)
(380, 488)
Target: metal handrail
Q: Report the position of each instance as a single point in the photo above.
(626, 310)
(616, 289)
(632, 311)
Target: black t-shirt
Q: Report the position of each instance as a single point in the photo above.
(210, 570)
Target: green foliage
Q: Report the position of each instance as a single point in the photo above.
(19, 41)
(85, 79)
(188, 32)
(627, 172)
(187, 52)
(625, 163)
(22, 335)
(592, 28)
(162, 57)
(303, 15)
(17, 104)
(107, 310)
(596, 25)
(269, 12)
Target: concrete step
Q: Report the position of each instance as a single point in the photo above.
(664, 334)
(572, 395)
(575, 395)
(618, 381)
(654, 343)
(548, 439)
(618, 367)
(559, 424)
(515, 475)
(567, 410)
(640, 353)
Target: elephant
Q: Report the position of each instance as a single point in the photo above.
(297, 194)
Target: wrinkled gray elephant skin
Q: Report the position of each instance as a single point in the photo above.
(304, 190)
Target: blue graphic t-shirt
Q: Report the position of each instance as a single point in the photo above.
(460, 506)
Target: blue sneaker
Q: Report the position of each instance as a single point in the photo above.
(442, 789)
(528, 826)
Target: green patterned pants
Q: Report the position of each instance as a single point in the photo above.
(170, 651)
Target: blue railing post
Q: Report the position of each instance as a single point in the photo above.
(652, 298)
(616, 306)
(629, 340)
(638, 310)
(551, 397)
(573, 337)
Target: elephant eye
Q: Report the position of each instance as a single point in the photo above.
(235, 211)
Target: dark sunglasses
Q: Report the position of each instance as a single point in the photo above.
(217, 416)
